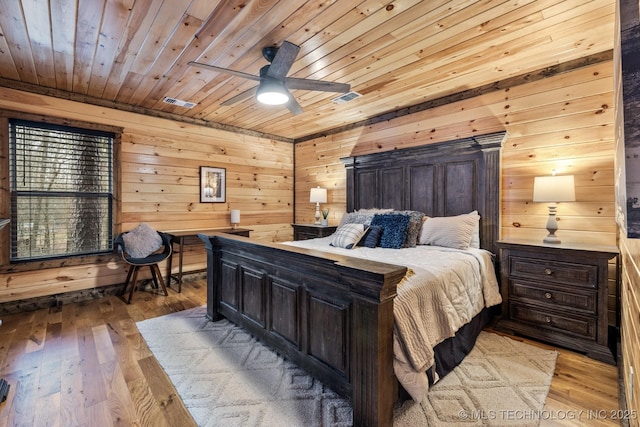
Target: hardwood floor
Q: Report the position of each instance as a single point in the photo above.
(86, 364)
(584, 391)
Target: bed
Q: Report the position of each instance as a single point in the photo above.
(443, 289)
(332, 313)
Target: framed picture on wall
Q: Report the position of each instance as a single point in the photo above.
(213, 185)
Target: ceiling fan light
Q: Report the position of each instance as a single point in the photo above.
(272, 93)
(273, 98)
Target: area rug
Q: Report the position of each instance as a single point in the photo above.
(226, 377)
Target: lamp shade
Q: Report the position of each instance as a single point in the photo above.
(272, 92)
(554, 189)
(318, 195)
(235, 216)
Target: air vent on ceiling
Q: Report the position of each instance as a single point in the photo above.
(178, 102)
(346, 97)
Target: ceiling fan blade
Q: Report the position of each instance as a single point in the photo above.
(293, 105)
(241, 96)
(321, 85)
(283, 60)
(225, 70)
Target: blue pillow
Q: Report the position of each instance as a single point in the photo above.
(394, 229)
(371, 237)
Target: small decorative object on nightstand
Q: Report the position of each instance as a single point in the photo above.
(311, 231)
(235, 218)
(557, 293)
(325, 215)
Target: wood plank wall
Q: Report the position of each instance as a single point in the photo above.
(160, 162)
(630, 322)
(564, 122)
(627, 100)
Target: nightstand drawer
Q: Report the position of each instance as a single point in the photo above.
(305, 235)
(554, 271)
(584, 327)
(312, 231)
(584, 300)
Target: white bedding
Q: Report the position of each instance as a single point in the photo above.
(443, 290)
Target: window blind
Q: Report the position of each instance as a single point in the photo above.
(61, 190)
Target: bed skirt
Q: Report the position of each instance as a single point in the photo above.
(449, 353)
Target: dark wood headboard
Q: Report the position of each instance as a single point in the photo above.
(441, 179)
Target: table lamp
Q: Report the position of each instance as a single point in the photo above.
(317, 196)
(235, 218)
(553, 189)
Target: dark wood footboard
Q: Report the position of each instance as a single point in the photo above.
(329, 314)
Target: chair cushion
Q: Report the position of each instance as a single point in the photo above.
(148, 260)
(142, 241)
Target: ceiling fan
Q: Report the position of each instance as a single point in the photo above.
(274, 85)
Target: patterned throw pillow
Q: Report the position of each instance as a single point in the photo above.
(142, 241)
(347, 236)
(394, 229)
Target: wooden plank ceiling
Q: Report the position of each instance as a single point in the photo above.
(132, 53)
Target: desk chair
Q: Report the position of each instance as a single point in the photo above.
(151, 260)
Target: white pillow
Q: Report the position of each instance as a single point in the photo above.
(347, 236)
(142, 241)
(451, 231)
(475, 237)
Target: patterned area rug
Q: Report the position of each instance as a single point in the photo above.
(227, 378)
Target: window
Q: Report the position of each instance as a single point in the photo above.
(61, 181)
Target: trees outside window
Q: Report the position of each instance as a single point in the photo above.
(61, 190)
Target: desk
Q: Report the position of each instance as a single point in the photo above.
(190, 237)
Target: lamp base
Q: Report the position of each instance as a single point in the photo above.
(552, 238)
(317, 214)
(552, 226)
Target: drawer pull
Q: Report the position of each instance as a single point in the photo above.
(547, 319)
(547, 271)
(547, 295)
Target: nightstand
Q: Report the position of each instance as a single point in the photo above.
(557, 293)
(312, 231)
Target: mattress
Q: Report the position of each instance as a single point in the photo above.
(443, 289)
